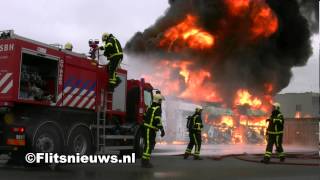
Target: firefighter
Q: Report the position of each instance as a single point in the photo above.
(194, 126)
(68, 46)
(274, 134)
(152, 123)
(113, 51)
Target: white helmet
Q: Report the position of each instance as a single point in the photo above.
(276, 105)
(198, 109)
(157, 98)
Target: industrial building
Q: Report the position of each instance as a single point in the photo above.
(299, 105)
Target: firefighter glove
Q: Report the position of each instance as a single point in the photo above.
(162, 133)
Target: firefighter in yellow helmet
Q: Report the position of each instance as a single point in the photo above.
(152, 124)
(274, 134)
(194, 126)
(113, 52)
(68, 46)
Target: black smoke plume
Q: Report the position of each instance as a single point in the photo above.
(310, 9)
(235, 61)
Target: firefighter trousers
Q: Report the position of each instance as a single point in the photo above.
(113, 66)
(274, 139)
(195, 140)
(149, 136)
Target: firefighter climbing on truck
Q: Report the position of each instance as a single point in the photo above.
(194, 125)
(274, 134)
(113, 52)
(152, 123)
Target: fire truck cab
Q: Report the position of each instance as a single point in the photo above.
(54, 100)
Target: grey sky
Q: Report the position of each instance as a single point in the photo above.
(59, 21)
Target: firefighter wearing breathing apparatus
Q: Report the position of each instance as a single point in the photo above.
(274, 134)
(113, 51)
(194, 126)
(152, 123)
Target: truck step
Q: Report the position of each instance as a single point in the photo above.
(114, 148)
(117, 137)
(101, 126)
(104, 151)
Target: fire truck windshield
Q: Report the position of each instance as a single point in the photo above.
(147, 98)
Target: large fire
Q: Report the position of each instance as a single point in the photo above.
(187, 33)
(181, 78)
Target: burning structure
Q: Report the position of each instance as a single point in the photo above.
(236, 54)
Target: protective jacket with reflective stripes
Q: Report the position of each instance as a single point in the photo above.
(152, 117)
(276, 123)
(112, 47)
(195, 123)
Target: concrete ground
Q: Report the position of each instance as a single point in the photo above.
(172, 166)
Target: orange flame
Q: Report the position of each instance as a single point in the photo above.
(197, 84)
(237, 7)
(227, 120)
(298, 115)
(268, 87)
(245, 98)
(187, 33)
(253, 121)
(265, 22)
(263, 19)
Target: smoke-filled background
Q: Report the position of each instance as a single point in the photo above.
(254, 44)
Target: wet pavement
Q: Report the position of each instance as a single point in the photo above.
(168, 165)
(227, 149)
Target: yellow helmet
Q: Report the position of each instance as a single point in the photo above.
(105, 36)
(68, 46)
(157, 98)
(276, 106)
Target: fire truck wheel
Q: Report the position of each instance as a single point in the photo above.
(139, 143)
(47, 140)
(79, 141)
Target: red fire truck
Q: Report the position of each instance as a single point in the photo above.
(54, 100)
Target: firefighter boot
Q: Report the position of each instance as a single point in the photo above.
(186, 155)
(265, 160)
(146, 163)
(197, 158)
(118, 81)
(111, 87)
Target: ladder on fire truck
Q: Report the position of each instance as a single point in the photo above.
(102, 126)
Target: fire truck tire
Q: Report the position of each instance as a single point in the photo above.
(80, 141)
(139, 143)
(48, 139)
